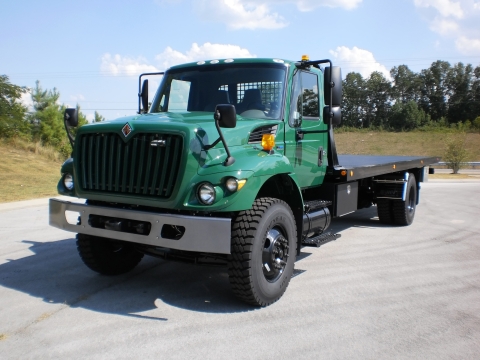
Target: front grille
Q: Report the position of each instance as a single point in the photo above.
(108, 164)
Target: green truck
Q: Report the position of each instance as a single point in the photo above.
(234, 162)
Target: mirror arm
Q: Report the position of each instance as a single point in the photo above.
(69, 134)
(208, 147)
(230, 159)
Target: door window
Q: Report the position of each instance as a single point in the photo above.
(305, 101)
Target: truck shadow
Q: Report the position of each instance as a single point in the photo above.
(55, 274)
(361, 218)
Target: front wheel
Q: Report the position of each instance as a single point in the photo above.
(107, 256)
(263, 252)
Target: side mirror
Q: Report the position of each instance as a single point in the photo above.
(337, 85)
(335, 89)
(335, 114)
(226, 115)
(144, 95)
(70, 117)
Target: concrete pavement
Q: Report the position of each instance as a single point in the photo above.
(377, 292)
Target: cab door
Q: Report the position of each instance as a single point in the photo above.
(306, 137)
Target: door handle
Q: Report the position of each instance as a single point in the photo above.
(320, 156)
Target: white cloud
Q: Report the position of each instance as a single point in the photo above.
(444, 26)
(358, 60)
(90, 117)
(446, 8)
(170, 57)
(118, 65)
(168, 1)
(250, 14)
(457, 20)
(26, 100)
(240, 14)
(308, 5)
(468, 46)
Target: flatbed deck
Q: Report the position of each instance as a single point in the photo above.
(363, 166)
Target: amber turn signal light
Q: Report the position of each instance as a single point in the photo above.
(268, 141)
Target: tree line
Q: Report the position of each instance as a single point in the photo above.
(42, 123)
(442, 95)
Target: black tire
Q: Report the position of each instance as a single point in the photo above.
(404, 211)
(263, 252)
(107, 256)
(385, 211)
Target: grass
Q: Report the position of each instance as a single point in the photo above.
(25, 174)
(29, 170)
(452, 176)
(402, 143)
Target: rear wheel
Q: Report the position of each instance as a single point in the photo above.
(385, 211)
(107, 256)
(263, 252)
(404, 211)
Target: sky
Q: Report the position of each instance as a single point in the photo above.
(92, 51)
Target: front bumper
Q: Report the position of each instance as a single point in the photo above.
(202, 234)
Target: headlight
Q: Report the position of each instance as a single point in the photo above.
(231, 184)
(68, 181)
(206, 193)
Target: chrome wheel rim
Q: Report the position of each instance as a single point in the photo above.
(275, 254)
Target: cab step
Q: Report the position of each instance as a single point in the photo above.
(321, 239)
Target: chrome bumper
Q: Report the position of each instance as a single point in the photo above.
(202, 234)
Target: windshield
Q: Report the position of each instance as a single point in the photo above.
(256, 91)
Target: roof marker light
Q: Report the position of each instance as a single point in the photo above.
(305, 58)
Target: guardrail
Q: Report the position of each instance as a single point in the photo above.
(465, 165)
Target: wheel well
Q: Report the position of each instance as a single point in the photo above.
(284, 188)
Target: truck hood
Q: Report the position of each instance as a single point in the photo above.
(200, 125)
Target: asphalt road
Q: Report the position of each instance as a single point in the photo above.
(378, 292)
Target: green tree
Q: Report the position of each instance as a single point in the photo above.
(460, 98)
(476, 123)
(406, 84)
(12, 111)
(475, 94)
(455, 153)
(98, 117)
(434, 89)
(354, 102)
(407, 116)
(378, 100)
(47, 117)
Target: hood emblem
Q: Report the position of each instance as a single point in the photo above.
(126, 130)
(158, 143)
